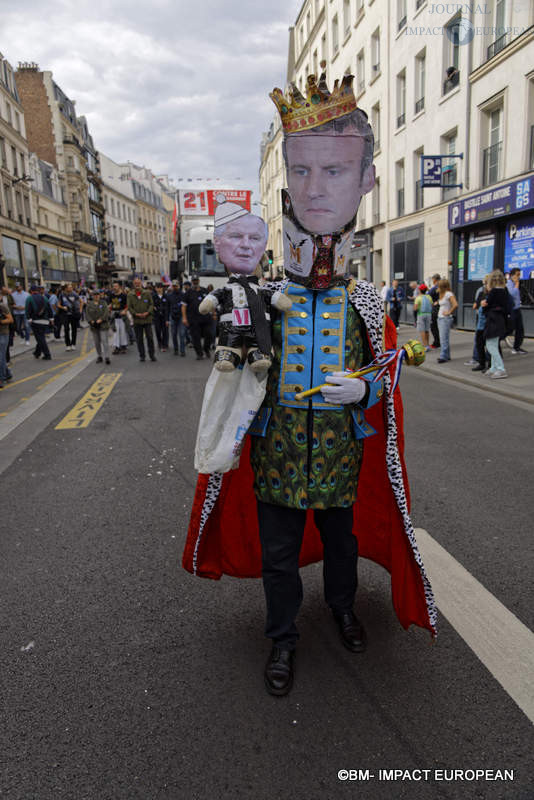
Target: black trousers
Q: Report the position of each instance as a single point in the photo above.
(71, 330)
(147, 330)
(39, 332)
(162, 331)
(434, 327)
(281, 531)
(519, 329)
(481, 347)
(395, 313)
(200, 330)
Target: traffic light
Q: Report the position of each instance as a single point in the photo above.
(270, 257)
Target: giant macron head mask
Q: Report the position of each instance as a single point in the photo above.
(328, 150)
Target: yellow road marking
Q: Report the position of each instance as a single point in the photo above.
(86, 409)
(84, 343)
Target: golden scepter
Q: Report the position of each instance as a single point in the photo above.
(414, 356)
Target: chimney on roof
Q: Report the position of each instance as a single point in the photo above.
(29, 66)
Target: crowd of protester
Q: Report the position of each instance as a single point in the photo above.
(119, 316)
(122, 315)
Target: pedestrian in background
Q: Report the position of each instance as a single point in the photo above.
(6, 319)
(514, 290)
(422, 307)
(40, 316)
(384, 294)
(141, 308)
(480, 341)
(117, 305)
(198, 324)
(395, 297)
(447, 305)
(434, 295)
(7, 300)
(161, 317)
(69, 305)
(175, 300)
(20, 295)
(98, 316)
(496, 307)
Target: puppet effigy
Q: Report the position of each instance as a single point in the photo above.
(322, 474)
(243, 305)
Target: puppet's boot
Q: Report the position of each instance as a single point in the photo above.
(227, 358)
(258, 361)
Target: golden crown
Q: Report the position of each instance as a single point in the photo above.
(299, 113)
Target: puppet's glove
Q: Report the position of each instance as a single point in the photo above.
(281, 301)
(208, 305)
(343, 390)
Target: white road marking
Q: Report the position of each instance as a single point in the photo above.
(30, 406)
(503, 644)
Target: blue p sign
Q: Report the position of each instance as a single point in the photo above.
(431, 170)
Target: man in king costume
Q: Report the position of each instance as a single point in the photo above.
(320, 477)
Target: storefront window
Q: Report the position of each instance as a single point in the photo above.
(69, 264)
(50, 258)
(11, 255)
(30, 257)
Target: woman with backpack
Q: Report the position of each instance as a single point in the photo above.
(422, 307)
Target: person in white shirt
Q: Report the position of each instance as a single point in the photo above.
(447, 306)
(19, 313)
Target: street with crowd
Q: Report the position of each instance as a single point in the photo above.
(164, 316)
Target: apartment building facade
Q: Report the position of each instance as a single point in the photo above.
(19, 255)
(449, 79)
(121, 219)
(62, 140)
(152, 223)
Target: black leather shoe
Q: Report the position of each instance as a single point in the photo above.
(352, 632)
(279, 671)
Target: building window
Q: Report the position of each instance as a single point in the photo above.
(420, 70)
(401, 14)
(375, 52)
(449, 166)
(452, 39)
(375, 124)
(492, 154)
(503, 36)
(399, 173)
(360, 71)
(323, 47)
(335, 35)
(3, 162)
(376, 202)
(401, 99)
(14, 162)
(346, 17)
(112, 207)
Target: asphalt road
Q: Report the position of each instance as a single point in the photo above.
(124, 677)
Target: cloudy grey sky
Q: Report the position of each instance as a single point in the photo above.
(180, 86)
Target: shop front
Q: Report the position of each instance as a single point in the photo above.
(20, 261)
(493, 229)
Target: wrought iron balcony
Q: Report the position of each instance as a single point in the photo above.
(420, 104)
(498, 45)
(401, 120)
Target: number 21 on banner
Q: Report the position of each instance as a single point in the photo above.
(194, 203)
